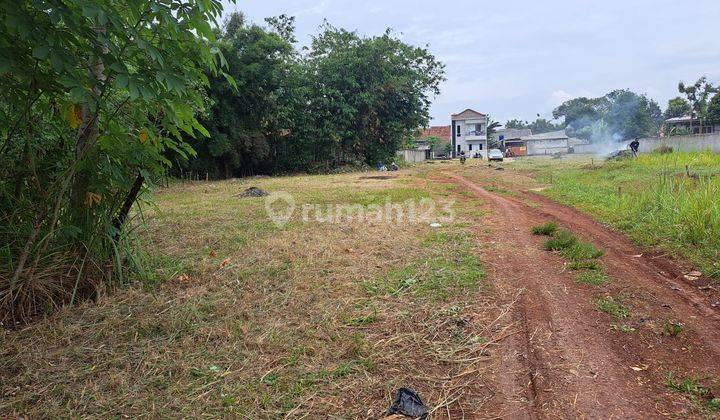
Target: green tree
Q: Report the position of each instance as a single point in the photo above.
(492, 127)
(94, 93)
(713, 111)
(249, 113)
(516, 124)
(366, 94)
(697, 95)
(539, 126)
(433, 142)
(620, 114)
(677, 107)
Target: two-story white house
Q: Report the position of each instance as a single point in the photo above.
(469, 133)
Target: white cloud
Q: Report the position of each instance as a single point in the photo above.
(317, 9)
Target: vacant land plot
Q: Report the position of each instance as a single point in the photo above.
(503, 304)
(246, 317)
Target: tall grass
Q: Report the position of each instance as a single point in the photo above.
(667, 200)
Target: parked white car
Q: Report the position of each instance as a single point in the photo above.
(495, 154)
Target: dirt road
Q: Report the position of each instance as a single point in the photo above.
(566, 360)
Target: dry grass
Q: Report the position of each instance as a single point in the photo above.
(256, 321)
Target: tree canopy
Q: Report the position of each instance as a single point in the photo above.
(94, 96)
(346, 99)
(621, 114)
(677, 107)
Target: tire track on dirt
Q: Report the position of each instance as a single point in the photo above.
(566, 362)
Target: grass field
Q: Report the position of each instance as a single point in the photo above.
(247, 318)
(671, 201)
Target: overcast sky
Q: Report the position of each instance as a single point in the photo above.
(519, 58)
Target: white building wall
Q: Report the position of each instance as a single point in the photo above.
(465, 141)
(547, 147)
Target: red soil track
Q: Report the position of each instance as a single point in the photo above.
(566, 360)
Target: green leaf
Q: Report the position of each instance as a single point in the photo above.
(57, 61)
(122, 80)
(41, 52)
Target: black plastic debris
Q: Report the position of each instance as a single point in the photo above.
(253, 192)
(408, 403)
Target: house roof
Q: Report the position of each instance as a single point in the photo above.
(468, 114)
(442, 131)
(683, 119)
(553, 135)
(513, 133)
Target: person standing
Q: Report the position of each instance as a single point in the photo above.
(635, 146)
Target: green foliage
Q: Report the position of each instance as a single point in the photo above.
(677, 107)
(581, 251)
(659, 205)
(713, 110)
(347, 100)
(547, 229)
(584, 265)
(561, 240)
(673, 328)
(595, 278)
(539, 126)
(621, 114)
(697, 95)
(612, 307)
(94, 94)
(693, 388)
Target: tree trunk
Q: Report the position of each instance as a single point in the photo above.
(130, 199)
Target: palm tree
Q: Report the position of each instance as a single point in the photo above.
(492, 129)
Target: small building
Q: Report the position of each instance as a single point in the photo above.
(511, 140)
(469, 133)
(547, 143)
(441, 132)
(689, 125)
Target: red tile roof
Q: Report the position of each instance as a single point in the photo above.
(441, 131)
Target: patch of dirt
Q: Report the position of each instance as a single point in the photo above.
(566, 360)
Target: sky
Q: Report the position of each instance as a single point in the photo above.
(519, 58)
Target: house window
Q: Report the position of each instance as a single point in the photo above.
(480, 146)
(458, 130)
(475, 130)
(469, 146)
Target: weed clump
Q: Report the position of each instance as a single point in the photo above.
(693, 388)
(596, 278)
(562, 239)
(582, 251)
(584, 265)
(547, 229)
(673, 328)
(612, 307)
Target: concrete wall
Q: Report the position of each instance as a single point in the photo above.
(546, 147)
(693, 143)
(412, 155)
(690, 143)
(584, 148)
